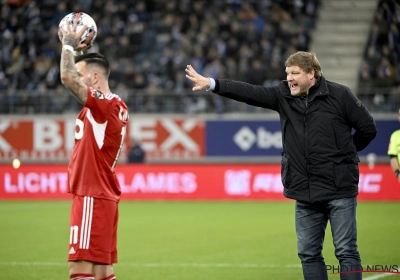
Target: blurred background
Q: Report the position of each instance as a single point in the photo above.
(149, 43)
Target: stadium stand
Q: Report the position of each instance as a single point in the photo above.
(379, 73)
(149, 43)
(340, 36)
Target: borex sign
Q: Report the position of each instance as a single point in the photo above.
(264, 138)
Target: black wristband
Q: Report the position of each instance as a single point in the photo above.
(397, 172)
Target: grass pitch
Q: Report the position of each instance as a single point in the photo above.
(189, 240)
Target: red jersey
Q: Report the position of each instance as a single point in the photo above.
(99, 136)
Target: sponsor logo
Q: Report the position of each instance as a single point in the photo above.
(169, 138)
(370, 182)
(33, 182)
(246, 138)
(239, 182)
(96, 93)
(243, 182)
(43, 139)
(163, 182)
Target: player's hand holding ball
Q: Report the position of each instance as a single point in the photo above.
(77, 30)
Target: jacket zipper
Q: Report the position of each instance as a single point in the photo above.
(306, 147)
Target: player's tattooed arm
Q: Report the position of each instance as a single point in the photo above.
(71, 78)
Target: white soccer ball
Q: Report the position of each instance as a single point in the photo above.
(88, 36)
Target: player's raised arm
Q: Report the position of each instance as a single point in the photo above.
(199, 81)
(70, 77)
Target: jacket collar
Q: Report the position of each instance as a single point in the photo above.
(320, 88)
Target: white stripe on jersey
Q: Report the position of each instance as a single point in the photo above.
(86, 222)
(99, 129)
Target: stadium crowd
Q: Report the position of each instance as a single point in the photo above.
(149, 43)
(379, 76)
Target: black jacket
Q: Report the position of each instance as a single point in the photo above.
(319, 158)
(136, 154)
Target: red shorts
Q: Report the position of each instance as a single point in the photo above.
(93, 230)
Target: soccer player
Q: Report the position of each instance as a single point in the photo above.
(99, 135)
(394, 150)
(319, 159)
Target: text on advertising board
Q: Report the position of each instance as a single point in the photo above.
(183, 182)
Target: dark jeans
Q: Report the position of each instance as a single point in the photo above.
(311, 221)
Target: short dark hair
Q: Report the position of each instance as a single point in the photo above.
(96, 59)
(307, 61)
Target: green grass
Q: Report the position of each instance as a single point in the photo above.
(187, 240)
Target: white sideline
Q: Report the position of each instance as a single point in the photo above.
(379, 276)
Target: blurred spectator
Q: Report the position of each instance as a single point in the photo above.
(43, 102)
(53, 75)
(63, 100)
(384, 74)
(373, 60)
(366, 81)
(275, 73)
(257, 73)
(25, 103)
(180, 84)
(136, 154)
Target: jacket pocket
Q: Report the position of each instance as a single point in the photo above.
(346, 175)
(285, 172)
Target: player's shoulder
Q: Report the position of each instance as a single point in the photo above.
(396, 134)
(105, 96)
(118, 105)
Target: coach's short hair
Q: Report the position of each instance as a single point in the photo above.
(95, 59)
(307, 61)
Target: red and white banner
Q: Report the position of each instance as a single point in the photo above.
(166, 138)
(52, 139)
(184, 182)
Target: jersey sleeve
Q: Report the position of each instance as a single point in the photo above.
(98, 105)
(392, 150)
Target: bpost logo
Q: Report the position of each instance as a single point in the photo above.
(372, 268)
(166, 138)
(246, 138)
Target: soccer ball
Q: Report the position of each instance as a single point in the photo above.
(88, 36)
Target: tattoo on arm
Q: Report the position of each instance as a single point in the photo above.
(71, 40)
(71, 78)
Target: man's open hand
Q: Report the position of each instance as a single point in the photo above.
(199, 81)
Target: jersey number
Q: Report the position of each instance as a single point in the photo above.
(79, 129)
(73, 235)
